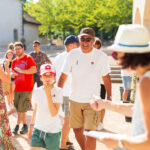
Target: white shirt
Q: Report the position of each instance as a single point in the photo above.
(125, 73)
(86, 70)
(44, 121)
(58, 64)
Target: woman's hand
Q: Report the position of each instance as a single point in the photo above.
(109, 142)
(98, 105)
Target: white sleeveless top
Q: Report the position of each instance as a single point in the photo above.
(137, 119)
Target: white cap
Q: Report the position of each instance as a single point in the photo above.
(47, 68)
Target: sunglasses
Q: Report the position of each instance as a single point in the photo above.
(35, 46)
(85, 39)
(115, 55)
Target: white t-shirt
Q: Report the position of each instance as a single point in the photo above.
(86, 70)
(125, 73)
(58, 63)
(44, 121)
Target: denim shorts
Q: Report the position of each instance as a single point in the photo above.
(127, 82)
(50, 141)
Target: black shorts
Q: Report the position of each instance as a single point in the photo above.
(103, 91)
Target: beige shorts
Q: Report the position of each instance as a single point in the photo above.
(83, 116)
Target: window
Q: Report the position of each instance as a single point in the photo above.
(15, 35)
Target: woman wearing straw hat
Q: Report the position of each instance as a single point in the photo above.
(133, 53)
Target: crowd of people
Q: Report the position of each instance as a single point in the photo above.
(78, 82)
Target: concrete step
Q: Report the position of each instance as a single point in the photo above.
(115, 72)
(115, 67)
(115, 75)
(116, 80)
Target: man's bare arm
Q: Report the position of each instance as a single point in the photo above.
(62, 80)
(107, 83)
(31, 70)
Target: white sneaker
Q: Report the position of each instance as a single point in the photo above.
(100, 127)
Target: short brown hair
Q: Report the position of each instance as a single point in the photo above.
(133, 60)
(18, 44)
(10, 45)
(98, 42)
(36, 42)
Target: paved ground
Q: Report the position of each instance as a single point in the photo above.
(113, 122)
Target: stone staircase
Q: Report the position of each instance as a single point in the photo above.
(115, 74)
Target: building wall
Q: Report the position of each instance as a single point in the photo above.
(30, 32)
(10, 20)
(141, 11)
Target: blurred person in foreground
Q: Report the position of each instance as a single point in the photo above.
(133, 53)
(5, 133)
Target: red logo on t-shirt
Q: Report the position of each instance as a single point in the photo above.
(92, 62)
(48, 67)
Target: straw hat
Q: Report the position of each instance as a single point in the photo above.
(131, 38)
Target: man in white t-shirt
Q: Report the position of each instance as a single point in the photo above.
(71, 42)
(86, 65)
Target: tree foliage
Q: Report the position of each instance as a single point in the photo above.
(65, 15)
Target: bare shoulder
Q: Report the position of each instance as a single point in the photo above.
(144, 83)
(144, 90)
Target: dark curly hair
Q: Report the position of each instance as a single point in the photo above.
(132, 60)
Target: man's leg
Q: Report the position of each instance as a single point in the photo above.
(16, 103)
(23, 107)
(23, 116)
(90, 143)
(66, 126)
(125, 95)
(19, 120)
(80, 137)
(77, 122)
(91, 121)
(126, 85)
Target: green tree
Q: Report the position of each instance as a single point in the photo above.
(66, 15)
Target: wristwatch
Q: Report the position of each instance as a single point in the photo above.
(120, 145)
(109, 97)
